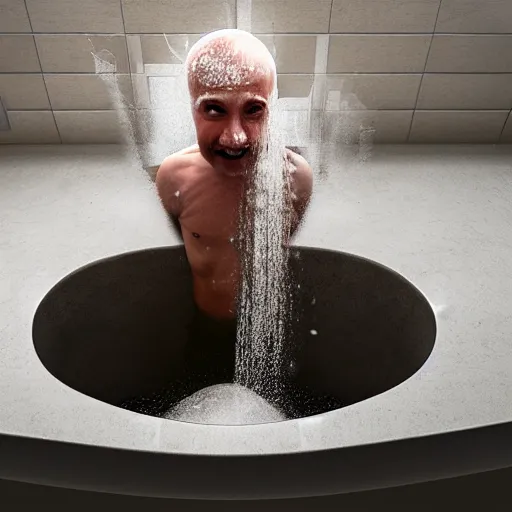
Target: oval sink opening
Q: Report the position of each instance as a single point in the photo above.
(116, 329)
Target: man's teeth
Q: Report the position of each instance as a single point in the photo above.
(232, 152)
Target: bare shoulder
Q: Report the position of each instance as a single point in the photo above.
(175, 173)
(301, 174)
(173, 166)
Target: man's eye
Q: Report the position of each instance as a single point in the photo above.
(214, 110)
(255, 109)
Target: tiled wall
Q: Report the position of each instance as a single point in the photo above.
(422, 70)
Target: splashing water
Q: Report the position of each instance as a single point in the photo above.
(264, 298)
(159, 128)
(225, 404)
(105, 67)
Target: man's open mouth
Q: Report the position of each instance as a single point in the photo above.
(231, 154)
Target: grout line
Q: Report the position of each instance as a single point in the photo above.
(290, 34)
(299, 73)
(91, 34)
(330, 18)
(54, 73)
(454, 34)
(42, 75)
(127, 50)
(319, 109)
(424, 71)
(340, 112)
(509, 117)
(67, 110)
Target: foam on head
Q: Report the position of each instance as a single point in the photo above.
(227, 59)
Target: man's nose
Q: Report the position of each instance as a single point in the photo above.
(234, 135)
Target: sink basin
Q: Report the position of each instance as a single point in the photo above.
(116, 329)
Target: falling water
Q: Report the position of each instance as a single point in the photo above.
(264, 298)
(105, 67)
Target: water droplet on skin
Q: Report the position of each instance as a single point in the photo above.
(207, 248)
(313, 332)
(231, 240)
(177, 194)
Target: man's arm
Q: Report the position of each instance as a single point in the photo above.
(167, 185)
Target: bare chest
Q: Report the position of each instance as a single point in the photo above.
(211, 213)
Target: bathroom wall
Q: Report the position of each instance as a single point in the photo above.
(415, 70)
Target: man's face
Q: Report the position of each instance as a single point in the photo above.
(230, 122)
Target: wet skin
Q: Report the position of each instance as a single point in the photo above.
(201, 187)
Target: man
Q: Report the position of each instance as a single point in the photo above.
(231, 76)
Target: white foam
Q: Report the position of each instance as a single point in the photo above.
(229, 58)
(225, 404)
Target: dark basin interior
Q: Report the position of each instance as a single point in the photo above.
(116, 329)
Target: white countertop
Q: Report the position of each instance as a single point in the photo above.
(439, 215)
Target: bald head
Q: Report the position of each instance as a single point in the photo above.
(228, 59)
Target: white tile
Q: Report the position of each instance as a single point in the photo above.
(377, 53)
(13, 16)
(243, 15)
(23, 92)
(89, 127)
(506, 136)
(88, 92)
(30, 127)
(76, 16)
(475, 16)
(294, 86)
(293, 53)
(465, 92)
(73, 53)
(166, 48)
(457, 126)
(134, 47)
(177, 16)
(140, 90)
(470, 54)
(372, 92)
(18, 54)
(290, 16)
(383, 16)
(379, 126)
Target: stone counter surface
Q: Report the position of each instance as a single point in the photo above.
(439, 215)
